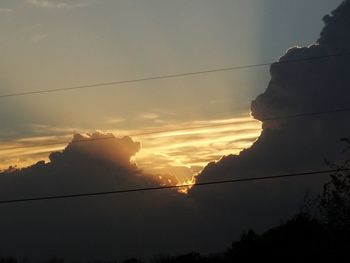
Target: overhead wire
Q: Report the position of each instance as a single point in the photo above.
(169, 76)
(174, 76)
(123, 191)
(156, 188)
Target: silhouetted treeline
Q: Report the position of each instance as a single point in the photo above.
(300, 239)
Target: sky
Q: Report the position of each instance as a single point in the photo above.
(164, 132)
(55, 44)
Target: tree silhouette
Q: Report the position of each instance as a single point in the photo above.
(335, 200)
(300, 239)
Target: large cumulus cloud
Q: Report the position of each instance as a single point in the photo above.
(292, 144)
(85, 228)
(92, 162)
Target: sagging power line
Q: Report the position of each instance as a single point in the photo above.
(124, 191)
(169, 76)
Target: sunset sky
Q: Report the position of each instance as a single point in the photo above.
(54, 44)
(195, 128)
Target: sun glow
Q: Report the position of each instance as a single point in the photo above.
(186, 185)
(172, 152)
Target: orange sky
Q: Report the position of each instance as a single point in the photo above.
(180, 149)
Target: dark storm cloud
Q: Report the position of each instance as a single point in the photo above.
(303, 87)
(100, 162)
(296, 144)
(209, 218)
(99, 227)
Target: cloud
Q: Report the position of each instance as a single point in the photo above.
(37, 38)
(101, 163)
(87, 157)
(115, 120)
(149, 116)
(125, 225)
(6, 10)
(179, 144)
(297, 144)
(185, 148)
(62, 4)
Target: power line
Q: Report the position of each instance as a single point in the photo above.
(104, 84)
(283, 117)
(249, 179)
(309, 114)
